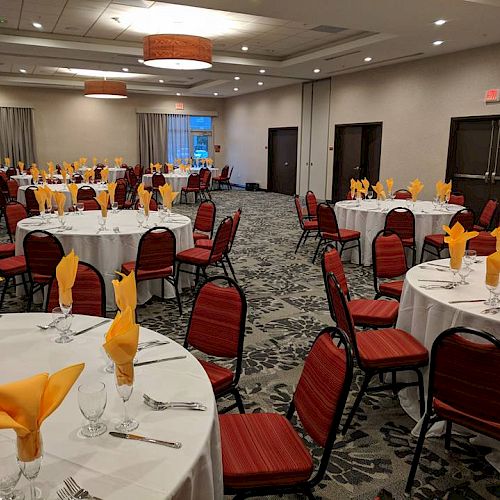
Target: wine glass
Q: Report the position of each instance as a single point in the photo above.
(463, 272)
(10, 473)
(62, 321)
(127, 423)
(358, 199)
(114, 207)
(162, 213)
(494, 293)
(92, 400)
(80, 207)
(370, 194)
(102, 222)
(31, 469)
(471, 256)
(140, 217)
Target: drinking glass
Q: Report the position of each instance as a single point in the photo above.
(455, 272)
(75, 209)
(127, 423)
(80, 207)
(62, 322)
(471, 256)
(370, 194)
(92, 400)
(10, 473)
(110, 365)
(464, 271)
(102, 222)
(140, 217)
(30, 471)
(114, 207)
(358, 199)
(62, 220)
(494, 293)
(162, 213)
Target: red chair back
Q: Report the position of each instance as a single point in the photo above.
(217, 323)
(234, 228)
(193, 181)
(131, 176)
(331, 263)
(388, 256)
(221, 240)
(324, 385)
(11, 171)
(14, 212)
(137, 171)
(402, 194)
(327, 221)
(121, 192)
(205, 217)
(152, 204)
(3, 200)
(97, 173)
(156, 251)
(12, 186)
(3, 183)
(300, 214)
(402, 222)
(31, 203)
(484, 244)
(158, 180)
(488, 213)
(457, 199)
(86, 193)
(90, 205)
(43, 251)
(89, 292)
(466, 217)
(77, 178)
(224, 172)
(311, 204)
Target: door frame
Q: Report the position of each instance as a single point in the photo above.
(270, 152)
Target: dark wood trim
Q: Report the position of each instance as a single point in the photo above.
(270, 151)
(361, 124)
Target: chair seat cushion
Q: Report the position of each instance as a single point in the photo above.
(197, 256)
(221, 378)
(7, 250)
(262, 449)
(390, 348)
(373, 312)
(208, 244)
(436, 240)
(310, 225)
(12, 266)
(408, 242)
(343, 234)
(477, 227)
(199, 236)
(190, 190)
(391, 288)
(147, 274)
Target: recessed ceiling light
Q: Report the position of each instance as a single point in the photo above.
(22, 70)
(244, 48)
(161, 81)
(262, 70)
(260, 83)
(236, 77)
(216, 93)
(37, 25)
(140, 60)
(367, 59)
(236, 89)
(316, 70)
(440, 22)
(437, 42)
(177, 93)
(125, 69)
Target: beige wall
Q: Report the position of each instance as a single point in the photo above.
(247, 119)
(415, 102)
(69, 125)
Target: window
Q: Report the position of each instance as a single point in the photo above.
(201, 136)
(200, 123)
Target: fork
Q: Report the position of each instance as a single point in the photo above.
(64, 494)
(164, 405)
(76, 491)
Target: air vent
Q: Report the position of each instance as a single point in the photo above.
(323, 28)
(343, 55)
(141, 4)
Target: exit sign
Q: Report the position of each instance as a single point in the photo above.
(179, 105)
(492, 95)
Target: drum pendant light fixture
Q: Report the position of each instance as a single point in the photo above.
(105, 89)
(185, 52)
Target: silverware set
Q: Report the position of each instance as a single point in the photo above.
(71, 490)
(151, 343)
(165, 405)
(434, 269)
(491, 310)
(161, 360)
(448, 286)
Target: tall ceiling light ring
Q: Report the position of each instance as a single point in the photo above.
(105, 89)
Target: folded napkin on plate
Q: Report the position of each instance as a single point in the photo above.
(496, 234)
(103, 199)
(121, 345)
(105, 174)
(111, 191)
(73, 189)
(493, 269)
(145, 201)
(125, 291)
(7, 161)
(352, 188)
(366, 185)
(66, 274)
(60, 201)
(48, 195)
(414, 188)
(25, 404)
(20, 165)
(379, 189)
(168, 196)
(457, 239)
(40, 196)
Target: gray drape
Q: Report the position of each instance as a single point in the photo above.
(178, 137)
(152, 138)
(17, 135)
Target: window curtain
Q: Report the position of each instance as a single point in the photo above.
(178, 137)
(152, 138)
(17, 135)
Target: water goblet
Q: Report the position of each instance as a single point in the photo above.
(10, 473)
(127, 424)
(358, 199)
(31, 469)
(102, 222)
(370, 194)
(114, 207)
(471, 255)
(494, 293)
(62, 318)
(80, 207)
(75, 209)
(463, 272)
(140, 217)
(92, 400)
(162, 213)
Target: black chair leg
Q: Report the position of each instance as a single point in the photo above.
(418, 452)
(317, 249)
(239, 400)
(359, 252)
(177, 295)
(421, 391)
(447, 436)
(4, 291)
(162, 288)
(300, 241)
(224, 268)
(30, 298)
(355, 406)
(25, 285)
(231, 267)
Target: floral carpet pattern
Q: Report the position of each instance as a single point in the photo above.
(287, 308)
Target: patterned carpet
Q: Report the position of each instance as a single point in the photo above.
(287, 309)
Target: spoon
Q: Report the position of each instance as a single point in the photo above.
(491, 310)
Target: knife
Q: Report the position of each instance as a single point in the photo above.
(85, 330)
(465, 301)
(135, 437)
(142, 363)
(438, 281)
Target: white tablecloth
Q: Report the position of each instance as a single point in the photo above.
(177, 181)
(369, 220)
(114, 173)
(111, 468)
(22, 180)
(107, 251)
(21, 192)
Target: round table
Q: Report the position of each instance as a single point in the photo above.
(115, 173)
(368, 219)
(426, 313)
(111, 468)
(21, 192)
(22, 180)
(176, 181)
(108, 250)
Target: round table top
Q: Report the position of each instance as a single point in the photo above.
(114, 468)
(419, 208)
(98, 187)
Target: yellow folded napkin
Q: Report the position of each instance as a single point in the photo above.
(414, 188)
(145, 201)
(83, 160)
(379, 189)
(105, 161)
(125, 291)
(103, 199)
(439, 189)
(353, 188)
(20, 165)
(73, 189)
(76, 164)
(66, 275)
(35, 174)
(51, 168)
(157, 167)
(48, 194)
(121, 345)
(71, 170)
(60, 201)
(44, 175)
(366, 185)
(25, 404)
(493, 269)
(457, 239)
(88, 174)
(64, 174)
(111, 191)
(390, 184)
(140, 189)
(105, 174)
(168, 196)
(7, 161)
(447, 191)
(41, 196)
(496, 234)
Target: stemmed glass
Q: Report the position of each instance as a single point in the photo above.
(471, 256)
(494, 293)
(464, 271)
(114, 207)
(125, 391)
(80, 207)
(31, 469)
(110, 365)
(62, 319)
(102, 222)
(92, 400)
(140, 217)
(358, 199)
(162, 213)
(370, 194)
(10, 473)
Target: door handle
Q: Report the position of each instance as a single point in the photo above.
(357, 168)
(486, 175)
(286, 164)
(495, 166)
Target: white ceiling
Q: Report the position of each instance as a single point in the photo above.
(287, 38)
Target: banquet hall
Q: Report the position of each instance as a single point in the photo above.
(249, 249)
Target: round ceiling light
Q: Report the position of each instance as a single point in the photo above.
(105, 89)
(185, 52)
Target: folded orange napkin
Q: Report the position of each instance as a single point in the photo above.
(83, 161)
(379, 189)
(41, 196)
(111, 191)
(125, 291)
(20, 165)
(145, 201)
(76, 164)
(103, 199)
(25, 404)
(51, 168)
(414, 188)
(457, 239)
(105, 174)
(71, 169)
(140, 189)
(35, 174)
(60, 201)
(493, 269)
(48, 194)
(64, 174)
(66, 275)
(496, 234)
(88, 174)
(44, 175)
(168, 196)
(390, 184)
(353, 188)
(121, 345)
(366, 185)
(105, 161)
(73, 189)
(7, 161)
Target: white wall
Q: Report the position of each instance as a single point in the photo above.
(247, 119)
(69, 125)
(415, 101)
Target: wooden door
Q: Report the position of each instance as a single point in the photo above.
(282, 160)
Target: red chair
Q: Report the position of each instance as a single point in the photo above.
(378, 352)
(156, 181)
(217, 328)
(463, 386)
(307, 226)
(31, 203)
(153, 206)
(90, 205)
(77, 178)
(365, 312)
(434, 243)
(10, 269)
(97, 172)
(484, 244)
(193, 186)
(487, 216)
(402, 222)
(205, 183)
(204, 222)
(201, 258)
(86, 193)
(3, 184)
(121, 193)
(3, 203)
(329, 230)
(456, 199)
(156, 260)
(224, 178)
(312, 205)
(43, 251)
(13, 187)
(89, 292)
(263, 454)
(402, 194)
(389, 261)
(138, 171)
(11, 171)
(14, 212)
